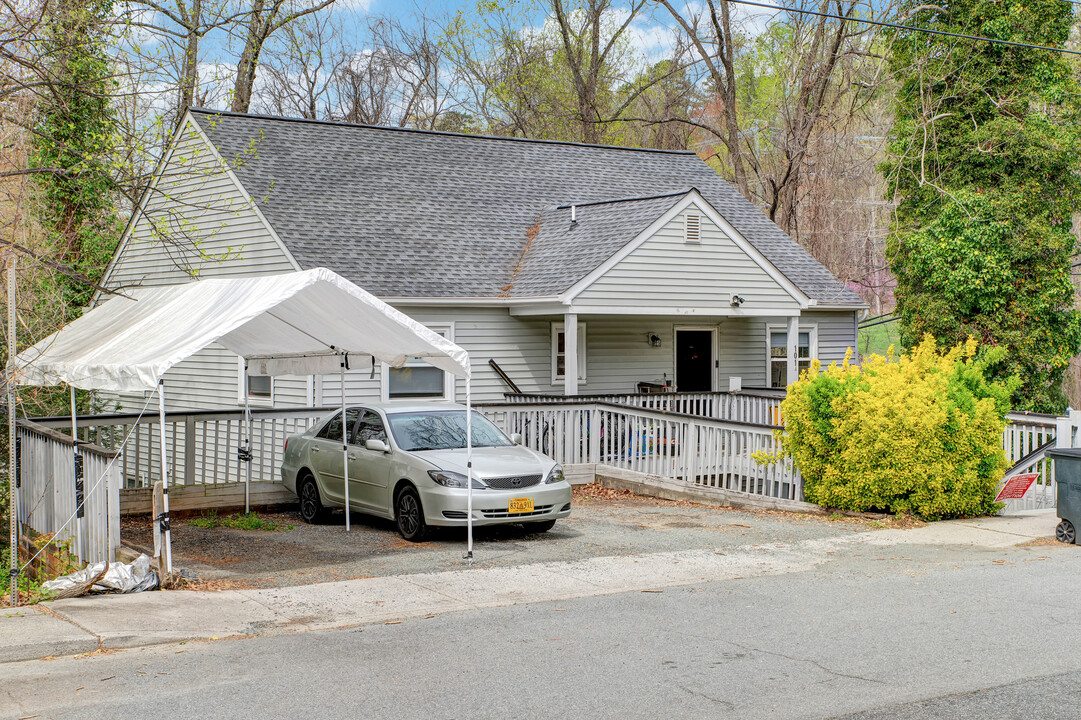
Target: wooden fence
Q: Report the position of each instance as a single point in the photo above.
(697, 450)
(47, 490)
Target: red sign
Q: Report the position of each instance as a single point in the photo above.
(1016, 486)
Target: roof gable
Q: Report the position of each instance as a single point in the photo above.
(422, 214)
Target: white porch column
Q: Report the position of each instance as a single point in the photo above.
(793, 349)
(570, 353)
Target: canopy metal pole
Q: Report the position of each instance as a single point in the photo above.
(164, 519)
(13, 457)
(345, 442)
(80, 499)
(468, 470)
(247, 440)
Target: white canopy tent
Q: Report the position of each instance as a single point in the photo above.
(303, 323)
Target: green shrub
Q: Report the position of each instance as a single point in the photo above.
(920, 433)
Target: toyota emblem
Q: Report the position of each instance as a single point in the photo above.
(516, 482)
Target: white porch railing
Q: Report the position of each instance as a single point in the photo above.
(696, 450)
(46, 486)
(1024, 436)
(200, 447)
(762, 407)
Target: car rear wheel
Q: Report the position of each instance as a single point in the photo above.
(311, 506)
(540, 527)
(410, 515)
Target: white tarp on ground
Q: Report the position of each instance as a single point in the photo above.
(292, 324)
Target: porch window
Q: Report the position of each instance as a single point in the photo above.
(418, 379)
(559, 353)
(776, 354)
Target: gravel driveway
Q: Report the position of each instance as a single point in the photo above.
(604, 523)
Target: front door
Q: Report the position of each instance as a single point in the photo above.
(694, 360)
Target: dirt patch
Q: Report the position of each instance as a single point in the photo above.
(1045, 542)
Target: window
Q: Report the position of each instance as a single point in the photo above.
(778, 349)
(559, 353)
(333, 429)
(418, 379)
(259, 388)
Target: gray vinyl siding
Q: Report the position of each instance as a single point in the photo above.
(666, 272)
(196, 222)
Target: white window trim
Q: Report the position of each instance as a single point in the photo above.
(448, 378)
(242, 387)
(811, 329)
(557, 327)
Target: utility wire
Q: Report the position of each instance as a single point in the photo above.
(912, 28)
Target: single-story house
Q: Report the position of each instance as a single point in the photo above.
(578, 269)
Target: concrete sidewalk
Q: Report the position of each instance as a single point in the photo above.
(108, 622)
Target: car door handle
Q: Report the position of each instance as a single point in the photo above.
(352, 457)
(315, 449)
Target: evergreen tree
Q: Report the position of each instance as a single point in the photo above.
(983, 163)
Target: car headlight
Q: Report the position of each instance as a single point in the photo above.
(556, 475)
(453, 479)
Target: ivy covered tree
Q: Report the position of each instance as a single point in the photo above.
(73, 143)
(983, 165)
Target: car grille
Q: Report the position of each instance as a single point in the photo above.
(508, 482)
(497, 513)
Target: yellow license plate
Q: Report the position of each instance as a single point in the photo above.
(521, 505)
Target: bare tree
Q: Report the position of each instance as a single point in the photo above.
(587, 44)
(814, 87)
(263, 19)
(301, 76)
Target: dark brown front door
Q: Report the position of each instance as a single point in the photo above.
(694, 360)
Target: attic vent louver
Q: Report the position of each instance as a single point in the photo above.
(692, 228)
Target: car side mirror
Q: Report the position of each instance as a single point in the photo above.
(376, 445)
(516, 438)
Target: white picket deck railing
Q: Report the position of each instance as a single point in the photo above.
(700, 451)
(200, 447)
(1025, 433)
(760, 407)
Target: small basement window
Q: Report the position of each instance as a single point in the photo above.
(692, 228)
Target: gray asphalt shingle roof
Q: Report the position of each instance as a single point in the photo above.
(407, 213)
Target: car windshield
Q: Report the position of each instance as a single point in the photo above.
(442, 430)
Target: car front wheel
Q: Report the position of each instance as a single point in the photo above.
(410, 515)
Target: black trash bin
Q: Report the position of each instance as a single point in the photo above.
(1068, 497)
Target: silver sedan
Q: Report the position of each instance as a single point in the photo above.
(407, 462)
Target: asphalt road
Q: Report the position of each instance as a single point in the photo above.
(904, 632)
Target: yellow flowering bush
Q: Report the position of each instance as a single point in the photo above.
(919, 433)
